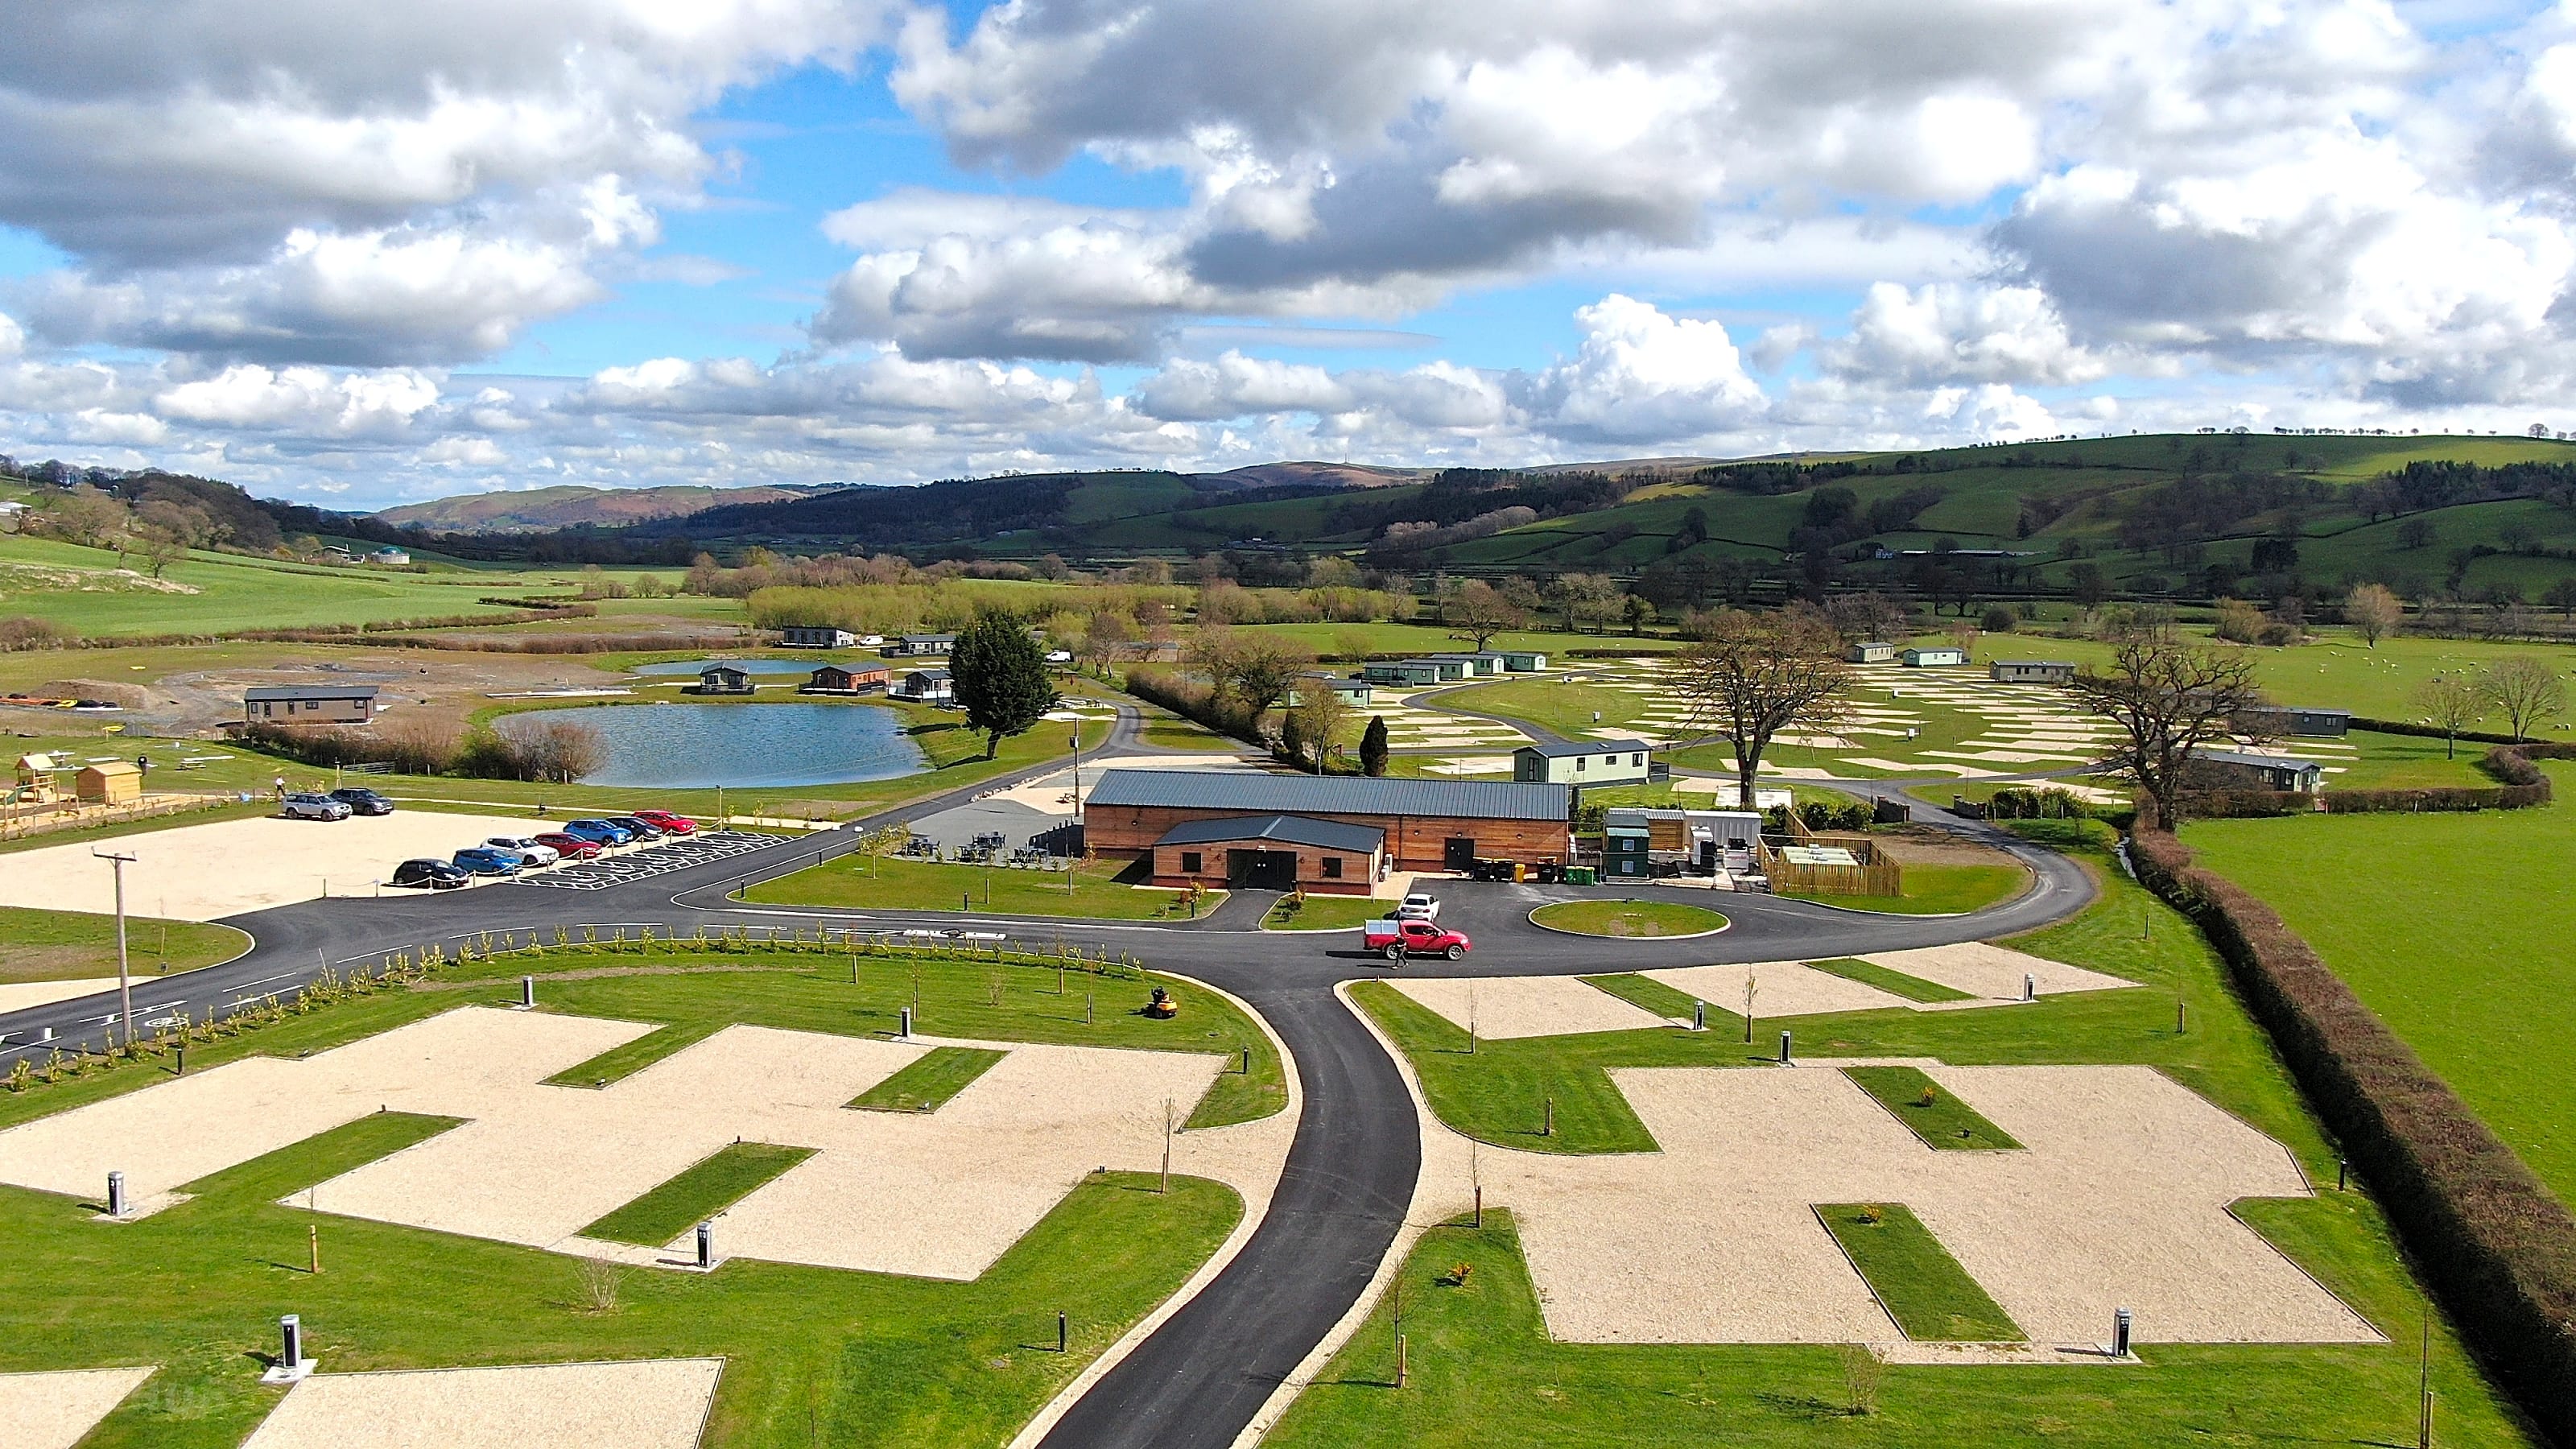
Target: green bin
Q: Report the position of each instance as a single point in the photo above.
(1579, 875)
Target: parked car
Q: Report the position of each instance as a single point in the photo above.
(671, 824)
(1419, 906)
(1396, 940)
(437, 875)
(483, 860)
(599, 832)
(570, 847)
(638, 826)
(312, 807)
(363, 802)
(530, 849)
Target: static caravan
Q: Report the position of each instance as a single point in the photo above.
(1873, 652)
(1934, 657)
(1583, 762)
(2032, 671)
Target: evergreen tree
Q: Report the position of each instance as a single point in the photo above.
(998, 674)
(1373, 746)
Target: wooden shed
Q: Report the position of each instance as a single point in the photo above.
(112, 782)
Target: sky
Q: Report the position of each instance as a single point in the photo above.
(360, 255)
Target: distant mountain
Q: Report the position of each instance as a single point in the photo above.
(1319, 475)
(542, 510)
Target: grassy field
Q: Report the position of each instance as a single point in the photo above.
(1923, 1288)
(1938, 890)
(1324, 913)
(37, 945)
(814, 1355)
(83, 590)
(698, 1193)
(928, 1083)
(2447, 927)
(1941, 1120)
(1099, 889)
(1628, 918)
(1483, 1370)
(1895, 983)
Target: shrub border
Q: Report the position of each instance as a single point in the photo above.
(2494, 1245)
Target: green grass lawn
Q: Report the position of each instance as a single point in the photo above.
(1930, 1113)
(1896, 983)
(1484, 1371)
(2454, 928)
(1628, 918)
(1101, 889)
(814, 1355)
(39, 945)
(210, 592)
(705, 1188)
(1938, 890)
(1646, 994)
(926, 1084)
(1325, 913)
(1922, 1287)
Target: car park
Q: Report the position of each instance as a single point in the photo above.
(363, 801)
(638, 827)
(482, 860)
(312, 807)
(599, 832)
(569, 847)
(437, 875)
(531, 850)
(671, 824)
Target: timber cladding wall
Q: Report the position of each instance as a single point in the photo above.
(2491, 1240)
(1413, 842)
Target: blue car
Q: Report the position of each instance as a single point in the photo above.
(482, 860)
(604, 832)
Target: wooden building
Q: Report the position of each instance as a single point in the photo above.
(309, 704)
(724, 679)
(110, 782)
(1426, 825)
(1272, 852)
(846, 679)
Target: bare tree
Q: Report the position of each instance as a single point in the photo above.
(1754, 675)
(1479, 611)
(2168, 698)
(1318, 715)
(2525, 690)
(1257, 669)
(2372, 611)
(562, 752)
(2450, 703)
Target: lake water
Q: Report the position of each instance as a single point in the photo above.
(691, 667)
(738, 746)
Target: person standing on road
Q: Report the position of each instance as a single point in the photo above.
(281, 787)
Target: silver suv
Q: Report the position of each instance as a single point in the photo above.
(313, 807)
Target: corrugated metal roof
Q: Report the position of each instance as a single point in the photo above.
(1291, 829)
(1330, 795)
(309, 691)
(1567, 749)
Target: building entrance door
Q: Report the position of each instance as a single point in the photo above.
(1267, 870)
(1458, 853)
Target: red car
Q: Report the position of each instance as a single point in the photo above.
(671, 824)
(570, 847)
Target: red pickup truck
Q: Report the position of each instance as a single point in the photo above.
(1396, 940)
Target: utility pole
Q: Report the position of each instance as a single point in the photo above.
(1070, 854)
(124, 980)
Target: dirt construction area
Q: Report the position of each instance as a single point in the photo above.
(206, 872)
(2118, 1197)
(934, 1194)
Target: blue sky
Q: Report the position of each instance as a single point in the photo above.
(367, 257)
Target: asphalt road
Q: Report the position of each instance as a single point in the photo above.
(1196, 1381)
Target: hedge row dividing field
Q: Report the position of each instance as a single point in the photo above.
(2495, 1244)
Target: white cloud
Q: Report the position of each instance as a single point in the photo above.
(309, 400)
(1645, 378)
(1946, 332)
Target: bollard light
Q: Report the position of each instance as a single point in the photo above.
(2029, 987)
(1699, 1016)
(906, 1032)
(527, 991)
(116, 1194)
(1784, 1048)
(2119, 1333)
(707, 1247)
(290, 1331)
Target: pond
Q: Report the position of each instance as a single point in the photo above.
(691, 667)
(738, 746)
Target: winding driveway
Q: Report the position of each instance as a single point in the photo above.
(1200, 1378)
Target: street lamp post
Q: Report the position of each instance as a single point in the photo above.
(1069, 852)
(124, 980)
